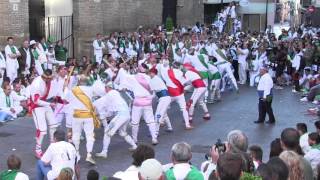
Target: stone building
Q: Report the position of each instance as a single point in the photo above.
(35, 18)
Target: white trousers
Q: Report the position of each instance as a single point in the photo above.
(118, 123)
(253, 76)
(87, 125)
(242, 73)
(161, 112)
(215, 89)
(43, 117)
(98, 58)
(12, 74)
(62, 112)
(226, 68)
(198, 97)
(182, 104)
(147, 113)
(17, 110)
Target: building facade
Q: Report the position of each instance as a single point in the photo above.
(33, 19)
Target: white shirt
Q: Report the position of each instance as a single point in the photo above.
(157, 84)
(296, 61)
(242, 58)
(303, 141)
(130, 174)
(196, 63)
(11, 63)
(2, 62)
(97, 49)
(22, 176)
(191, 76)
(265, 84)
(60, 155)
(112, 102)
(313, 156)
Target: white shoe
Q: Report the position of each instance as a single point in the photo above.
(305, 99)
(90, 160)
(294, 91)
(315, 102)
(155, 142)
(102, 154)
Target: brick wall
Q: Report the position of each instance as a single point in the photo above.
(105, 16)
(14, 23)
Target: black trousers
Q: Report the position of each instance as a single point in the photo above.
(264, 108)
(235, 66)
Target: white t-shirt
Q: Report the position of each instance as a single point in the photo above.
(22, 176)
(157, 84)
(242, 58)
(60, 155)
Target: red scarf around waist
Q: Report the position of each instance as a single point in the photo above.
(179, 89)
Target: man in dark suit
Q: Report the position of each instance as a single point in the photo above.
(25, 59)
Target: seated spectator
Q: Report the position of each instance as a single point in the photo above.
(313, 155)
(13, 172)
(292, 160)
(151, 169)
(229, 166)
(8, 108)
(59, 155)
(317, 125)
(65, 174)
(142, 153)
(93, 175)
(275, 148)
(265, 172)
(256, 155)
(290, 142)
(303, 141)
(279, 169)
(237, 143)
(182, 169)
(314, 91)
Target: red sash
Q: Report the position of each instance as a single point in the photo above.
(175, 91)
(32, 104)
(198, 83)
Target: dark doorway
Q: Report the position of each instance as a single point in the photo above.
(36, 19)
(169, 10)
(211, 11)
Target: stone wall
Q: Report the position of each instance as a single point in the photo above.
(14, 20)
(189, 12)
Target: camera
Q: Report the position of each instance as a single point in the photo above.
(220, 146)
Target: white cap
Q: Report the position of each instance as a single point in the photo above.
(151, 169)
(32, 42)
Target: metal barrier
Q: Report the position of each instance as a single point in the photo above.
(61, 28)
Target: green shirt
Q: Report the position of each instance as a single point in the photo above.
(61, 53)
(193, 174)
(8, 175)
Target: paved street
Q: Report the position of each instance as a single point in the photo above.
(234, 112)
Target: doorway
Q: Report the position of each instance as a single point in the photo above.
(169, 10)
(36, 19)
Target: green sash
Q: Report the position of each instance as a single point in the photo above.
(203, 51)
(221, 54)
(316, 146)
(99, 42)
(44, 46)
(9, 175)
(193, 174)
(13, 50)
(201, 58)
(35, 54)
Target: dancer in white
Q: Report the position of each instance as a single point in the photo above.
(41, 109)
(138, 84)
(84, 114)
(192, 76)
(98, 46)
(161, 91)
(174, 80)
(113, 104)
